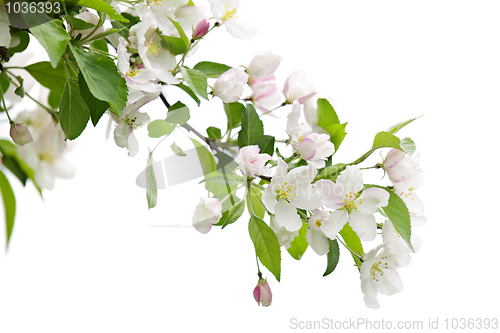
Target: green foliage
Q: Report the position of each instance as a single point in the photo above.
(177, 150)
(190, 92)
(196, 81)
(233, 113)
(332, 256)
(232, 215)
(15, 164)
(329, 121)
(388, 140)
(158, 128)
(299, 244)
(74, 113)
(352, 240)
(266, 245)
(394, 129)
(214, 133)
(331, 172)
(96, 107)
(49, 77)
(176, 45)
(24, 40)
(151, 187)
(102, 78)
(102, 6)
(252, 132)
(53, 38)
(258, 207)
(78, 24)
(9, 203)
(211, 69)
(398, 213)
(178, 114)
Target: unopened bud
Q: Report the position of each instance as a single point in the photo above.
(201, 29)
(262, 293)
(20, 134)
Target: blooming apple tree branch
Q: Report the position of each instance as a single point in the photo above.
(114, 58)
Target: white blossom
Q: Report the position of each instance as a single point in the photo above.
(207, 212)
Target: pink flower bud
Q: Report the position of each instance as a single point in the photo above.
(262, 293)
(20, 134)
(201, 29)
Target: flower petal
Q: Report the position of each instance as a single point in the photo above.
(318, 242)
(334, 223)
(363, 225)
(286, 216)
(373, 199)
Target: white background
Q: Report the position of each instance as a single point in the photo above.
(90, 257)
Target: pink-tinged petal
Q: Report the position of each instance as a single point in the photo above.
(318, 242)
(307, 149)
(350, 180)
(201, 29)
(327, 191)
(363, 225)
(286, 216)
(334, 223)
(390, 283)
(293, 118)
(373, 199)
(393, 157)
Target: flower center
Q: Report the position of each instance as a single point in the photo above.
(285, 192)
(318, 223)
(155, 2)
(378, 268)
(230, 13)
(132, 122)
(47, 156)
(133, 72)
(153, 48)
(350, 201)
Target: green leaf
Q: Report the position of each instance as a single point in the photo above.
(180, 30)
(15, 164)
(298, 245)
(9, 202)
(189, 92)
(205, 157)
(256, 200)
(49, 77)
(178, 114)
(232, 215)
(252, 129)
(352, 240)
(102, 6)
(233, 113)
(78, 24)
(266, 145)
(196, 80)
(158, 128)
(74, 113)
(331, 172)
(332, 257)
(394, 129)
(100, 45)
(329, 121)
(102, 78)
(231, 179)
(388, 140)
(211, 69)
(398, 213)
(95, 106)
(177, 150)
(266, 245)
(151, 187)
(214, 133)
(174, 45)
(102, 35)
(53, 38)
(19, 90)
(24, 40)
(54, 98)
(4, 83)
